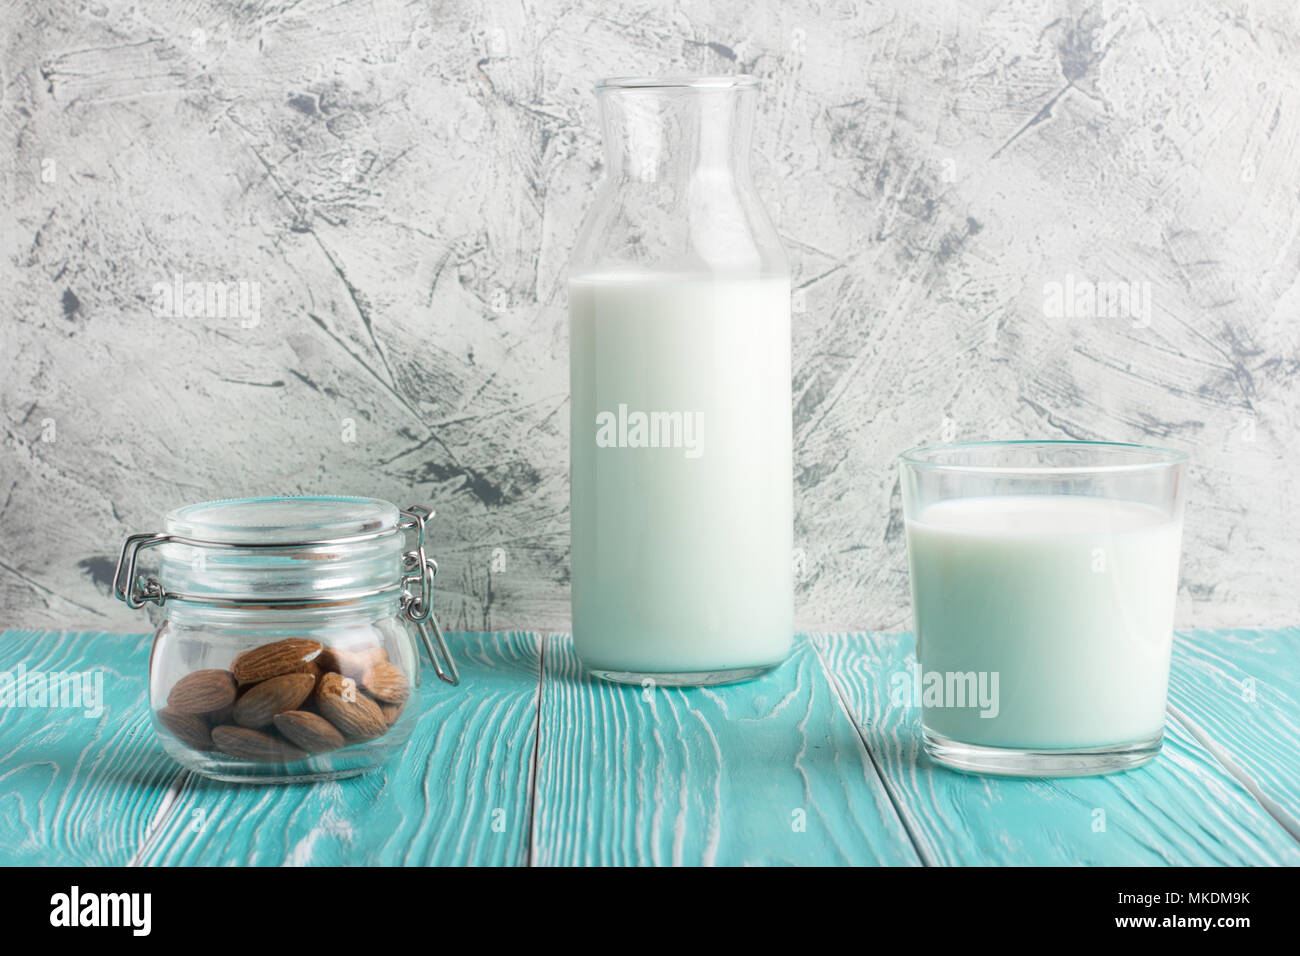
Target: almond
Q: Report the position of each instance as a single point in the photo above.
(391, 712)
(190, 729)
(201, 692)
(312, 732)
(351, 662)
(386, 683)
(248, 744)
(226, 715)
(352, 712)
(270, 697)
(310, 667)
(272, 660)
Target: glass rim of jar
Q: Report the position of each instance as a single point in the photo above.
(738, 81)
(338, 519)
(1141, 457)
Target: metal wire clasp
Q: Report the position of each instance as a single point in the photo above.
(420, 569)
(135, 591)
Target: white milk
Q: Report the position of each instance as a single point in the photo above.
(1068, 599)
(681, 552)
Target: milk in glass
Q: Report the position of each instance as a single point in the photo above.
(1063, 603)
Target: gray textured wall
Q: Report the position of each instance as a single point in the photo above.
(401, 183)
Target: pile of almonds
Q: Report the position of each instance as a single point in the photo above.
(284, 701)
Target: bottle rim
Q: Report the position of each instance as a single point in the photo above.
(737, 81)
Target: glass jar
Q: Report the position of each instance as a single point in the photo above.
(286, 634)
(680, 430)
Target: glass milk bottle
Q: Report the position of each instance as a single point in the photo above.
(679, 337)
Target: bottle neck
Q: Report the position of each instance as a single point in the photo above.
(669, 136)
(678, 196)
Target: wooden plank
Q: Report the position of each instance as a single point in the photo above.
(78, 788)
(767, 772)
(678, 776)
(1185, 808)
(1238, 691)
(457, 794)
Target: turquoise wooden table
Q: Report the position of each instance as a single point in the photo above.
(529, 762)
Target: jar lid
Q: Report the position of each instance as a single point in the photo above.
(260, 552)
(242, 555)
(282, 521)
(281, 551)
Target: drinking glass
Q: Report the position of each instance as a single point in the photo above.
(1043, 580)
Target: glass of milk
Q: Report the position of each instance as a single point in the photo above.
(680, 415)
(1043, 584)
